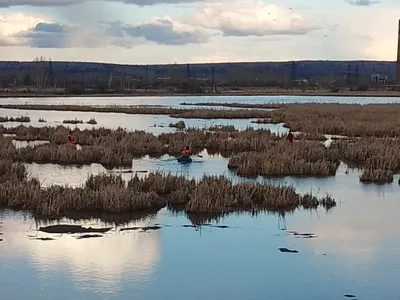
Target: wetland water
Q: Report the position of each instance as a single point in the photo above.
(354, 251)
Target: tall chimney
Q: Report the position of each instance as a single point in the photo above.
(398, 58)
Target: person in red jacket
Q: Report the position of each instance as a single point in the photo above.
(186, 152)
(71, 138)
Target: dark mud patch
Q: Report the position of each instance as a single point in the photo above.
(286, 250)
(89, 236)
(302, 235)
(144, 228)
(43, 239)
(72, 229)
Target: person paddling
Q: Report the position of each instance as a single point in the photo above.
(71, 138)
(186, 152)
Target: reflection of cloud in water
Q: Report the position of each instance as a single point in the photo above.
(98, 263)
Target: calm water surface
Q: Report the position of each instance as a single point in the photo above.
(356, 250)
(175, 101)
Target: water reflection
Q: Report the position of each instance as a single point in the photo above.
(155, 124)
(97, 264)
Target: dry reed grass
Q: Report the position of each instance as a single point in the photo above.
(74, 121)
(370, 153)
(353, 120)
(378, 176)
(236, 105)
(151, 110)
(180, 125)
(116, 147)
(22, 119)
(92, 121)
(109, 193)
(281, 159)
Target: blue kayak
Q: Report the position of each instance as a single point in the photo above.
(184, 159)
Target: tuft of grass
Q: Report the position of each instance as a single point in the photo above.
(377, 176)
(22, 119)
(41, 120)
(92, 121)
(180, 125)
(74, 121)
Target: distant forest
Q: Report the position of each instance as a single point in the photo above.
(80, 77)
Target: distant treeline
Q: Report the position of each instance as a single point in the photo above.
(191, 78)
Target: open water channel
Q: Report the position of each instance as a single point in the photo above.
(354, 250)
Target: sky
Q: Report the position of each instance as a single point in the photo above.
(189, 31)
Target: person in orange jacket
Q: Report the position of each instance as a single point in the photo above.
(186, 152)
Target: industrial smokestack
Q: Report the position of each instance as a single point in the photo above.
(398, 58)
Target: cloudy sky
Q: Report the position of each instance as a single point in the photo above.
(169, 31)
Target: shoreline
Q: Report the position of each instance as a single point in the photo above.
(222, 94)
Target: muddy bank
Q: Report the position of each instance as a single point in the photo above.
(72, 229)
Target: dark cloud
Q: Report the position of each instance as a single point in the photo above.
(363, 2)
(160, 32)
(48, 35)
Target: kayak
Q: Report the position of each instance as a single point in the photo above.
(184, 159)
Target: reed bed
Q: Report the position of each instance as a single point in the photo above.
(377, 176)
(305, 158)
(22, 119)
(125, 145)
(370, 153)
(109, 193)
(235, 105)
(92, 121)
(180, 125)
(74, 121)
(151, 110)
(353, 120)
(41, 120)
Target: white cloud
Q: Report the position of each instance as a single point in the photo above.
(249, 18)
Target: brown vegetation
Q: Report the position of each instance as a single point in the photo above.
(353, 120)
(75, 121)
(22, 119)
(119, 147)
(110, 194)
(370, 153)
(378, 176)
(281, 159)
(92, 121)
(180, 125)
(236, 105)
(151, 110)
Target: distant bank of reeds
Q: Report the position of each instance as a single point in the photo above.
(22, 119)
(109, 193)
(151, 110)
(353, 120)
(236, 105)
(305, 158)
